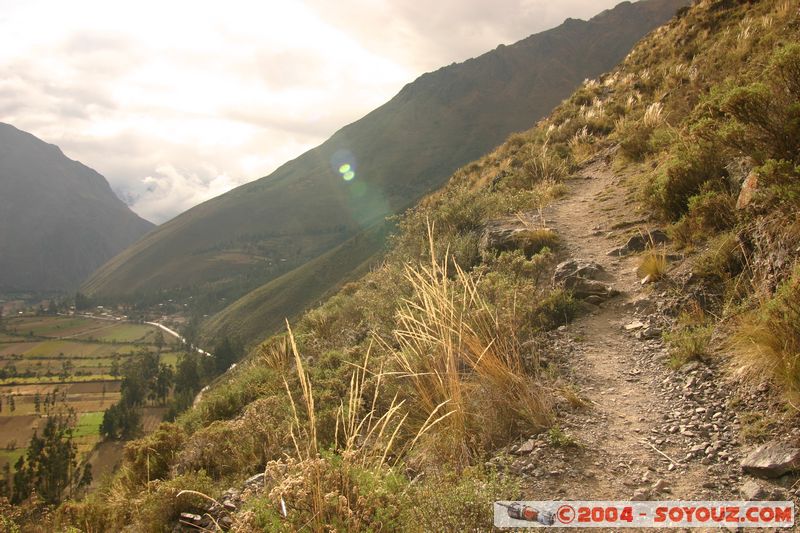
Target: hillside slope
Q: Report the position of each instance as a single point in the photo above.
(541, 339)
(59, 220)
(397, 153)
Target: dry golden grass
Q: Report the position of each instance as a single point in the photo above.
(766, 341)
(581, 147)
(544, 165)
(453, 352)
(653, 262)
(274, 353)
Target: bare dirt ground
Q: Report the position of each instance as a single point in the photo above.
(646, 431)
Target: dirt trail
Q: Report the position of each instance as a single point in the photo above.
(623, 444)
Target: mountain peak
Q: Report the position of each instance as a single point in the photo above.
(59, 219)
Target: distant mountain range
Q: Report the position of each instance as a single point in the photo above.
(59, 219)
(263, 233)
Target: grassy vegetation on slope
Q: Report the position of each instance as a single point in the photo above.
(344, 414)
(408, 147)
(266, 309)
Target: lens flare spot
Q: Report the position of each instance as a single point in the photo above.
(349, 175)
(344, 169)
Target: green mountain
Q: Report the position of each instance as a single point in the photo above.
(230, 245)
(59, 219)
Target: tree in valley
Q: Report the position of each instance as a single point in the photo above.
(82, 302)
(50, 465)
(121, 421)
(226, 352)
(159, 340)
(144, 378)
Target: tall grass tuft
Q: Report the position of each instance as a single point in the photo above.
(351, 485)
(453, 352)
(543, 164)
(653, 263)
(766, 341)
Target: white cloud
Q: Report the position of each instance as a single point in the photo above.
(176, 102)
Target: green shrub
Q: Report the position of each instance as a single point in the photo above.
(690, 337)
(778, 185)
(152, 457)
(759, 120)
(158, 508)
(560, 439)
(722, 260)
(516, 266)
(710, 212)
(456, 502)
(634, 139)
(556, 309)
(688, 344)
(228, 398)
(544, 164)
(683, 176)
(329, 493)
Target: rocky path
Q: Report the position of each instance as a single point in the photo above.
(646, 431)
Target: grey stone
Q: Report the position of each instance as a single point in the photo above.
(660, 486)
(584, 288)
(650, 332)
(772, 460)
(573, 268)
(512, 233)
(526, 447)
(594, 299)
(640, 242)
(255, 482)
(753, 491)
(191, 517)
(688, 367)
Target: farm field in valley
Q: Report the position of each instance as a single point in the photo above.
(75, 360)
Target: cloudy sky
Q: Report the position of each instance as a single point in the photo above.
(175, 101)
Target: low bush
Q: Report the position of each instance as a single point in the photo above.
(151, 457)
(778, 186)
(242, 445)
(327, 493)
(767, 340)
(722, 260)
(228, 398)
(544, 165)
(555, 309)
(688, 343)
(453, 502)
(683, 176)
(710, 212)
(690, 336)
(634, 139)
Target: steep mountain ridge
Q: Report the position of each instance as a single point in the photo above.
(59, 219)
(401, 151)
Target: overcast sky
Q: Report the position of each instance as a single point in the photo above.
(175, 102)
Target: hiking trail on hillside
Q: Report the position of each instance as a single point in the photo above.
(646, 431)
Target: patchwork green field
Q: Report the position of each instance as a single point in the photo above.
(75, 360)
